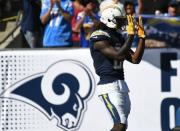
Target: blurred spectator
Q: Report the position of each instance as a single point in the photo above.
(78, 7)
(56, 15)
(135, 6)
(110, 3)
(129, 7)
(86, 20)
(31, 24)
(173, 8)
(130, 10)
(152, 6)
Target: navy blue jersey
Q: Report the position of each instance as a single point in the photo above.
(108, 69)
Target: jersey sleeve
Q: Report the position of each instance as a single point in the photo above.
(99, 35)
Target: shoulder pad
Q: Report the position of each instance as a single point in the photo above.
(99, 35)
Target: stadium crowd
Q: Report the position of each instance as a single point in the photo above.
(68, 23)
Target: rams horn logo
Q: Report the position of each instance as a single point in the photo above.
(61, 92)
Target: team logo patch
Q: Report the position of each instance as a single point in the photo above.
(61, 92)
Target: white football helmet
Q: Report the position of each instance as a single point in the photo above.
(109, 12)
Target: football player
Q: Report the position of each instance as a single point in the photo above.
(109, 48)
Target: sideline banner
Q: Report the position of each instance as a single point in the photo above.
(162, 31)
(54, 90)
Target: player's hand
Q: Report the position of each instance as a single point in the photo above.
(140, 28)
(130, 26)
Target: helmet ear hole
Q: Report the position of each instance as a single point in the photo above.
(109, 20)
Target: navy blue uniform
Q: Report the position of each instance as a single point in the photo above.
(108, 69)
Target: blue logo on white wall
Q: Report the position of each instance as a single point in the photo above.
(167, 71)
(61, 92)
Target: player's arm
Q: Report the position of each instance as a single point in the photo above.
(135, 57)
(109, 51)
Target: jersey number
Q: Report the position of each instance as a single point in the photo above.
(118, 65)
